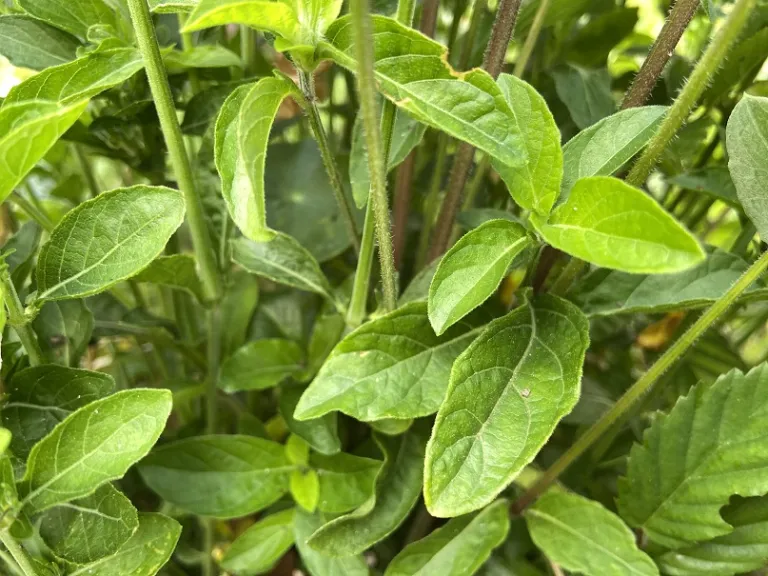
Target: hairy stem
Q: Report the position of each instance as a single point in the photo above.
(361, 283)
(166, 112)
(661, 51)
(644, 385)
(17, 318)
(18, 553)
(377, 158)
(493, 61)
(307, 86)
(705, 69)
(533, 37)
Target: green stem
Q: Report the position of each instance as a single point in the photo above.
(169, 122)
(248, 50)
(18, 553)
(432, 201)
(85, 166)
(18, 319)
(567, 276)
(469, 38)
(211, 421)
(187, 44)
(743, 240)
(32, 211)
(9, 561)
(533, 37)
(307, 85)
(362, 281)
(377, 156)
(697, 83)
(644, 385)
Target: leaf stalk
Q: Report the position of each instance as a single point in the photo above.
(18, 319)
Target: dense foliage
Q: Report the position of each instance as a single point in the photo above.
(557, 364)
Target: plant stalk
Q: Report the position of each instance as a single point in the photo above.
(469, 38)
(18, 553)
(429, 11)
(307, 86)
(377, 151)
(402, 204)
(533, 37)
(87, 170)
(661, 51)
(187, 44)
(169, 122)
(644, 385)
(18, 319)
(248, 50)
(493, 62)
(32, 211)
(702, 74)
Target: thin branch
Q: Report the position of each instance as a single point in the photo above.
(642, 86)
(533, 37)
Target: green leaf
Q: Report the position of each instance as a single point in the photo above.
(743, 550)
(72, 17)
(586, 93)
(582, 536)
(472, 270)
(144, 554)
(90, 528)
(612, 224)
(31, 43)
(94, 445)
(260, 364)
(63, 330)
(391, 426)
(500, 409)
(710, 447)
(177, 271)
(283, 260)
(27, 131)
(536, 184)
(346, 481)
(326, 333)
(459, 547)
(406, 135)
(242, 135)
(606, 292)
(418, 289)
(392, 367)
(605, 147)
(204, 56)
(107, 239)
(237, 308)
(220, 476)
(398, 486)
(258, 549)
(714, 181)
(203, 108)
(319, 564)
(305, 489)
(41, 397)
(411, 70)
(320, 433)
(83, 78)
(747, 143)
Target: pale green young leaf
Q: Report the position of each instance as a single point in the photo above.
(411, 70)
(612, 224)
(346, 480)
(177, 271)
(606, 292)
(260, 364)
(406, 135)
(536, 184)
(586, 93)
(204, 56)
(94, 445)
(144, 554)
(606, 146)
(318, 564)
(459, 547)
(714, 181)
(471, 271)
(275, 17)
(283, 260)
(392, 367)
(172, 6)
(258, 549)
(694, 470)
(391, 426)
(220, 476)
(582, 536)
(82, 78)
(241, 138)
(63, 330)
(398, 486)
(40, 397)
(743, 550)
(90, 528)
(72, 17)
(320, 433)
(747, 143)
(30, 43)
(106, 240)
(305, 488)
(27, 131)
(500, 409)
